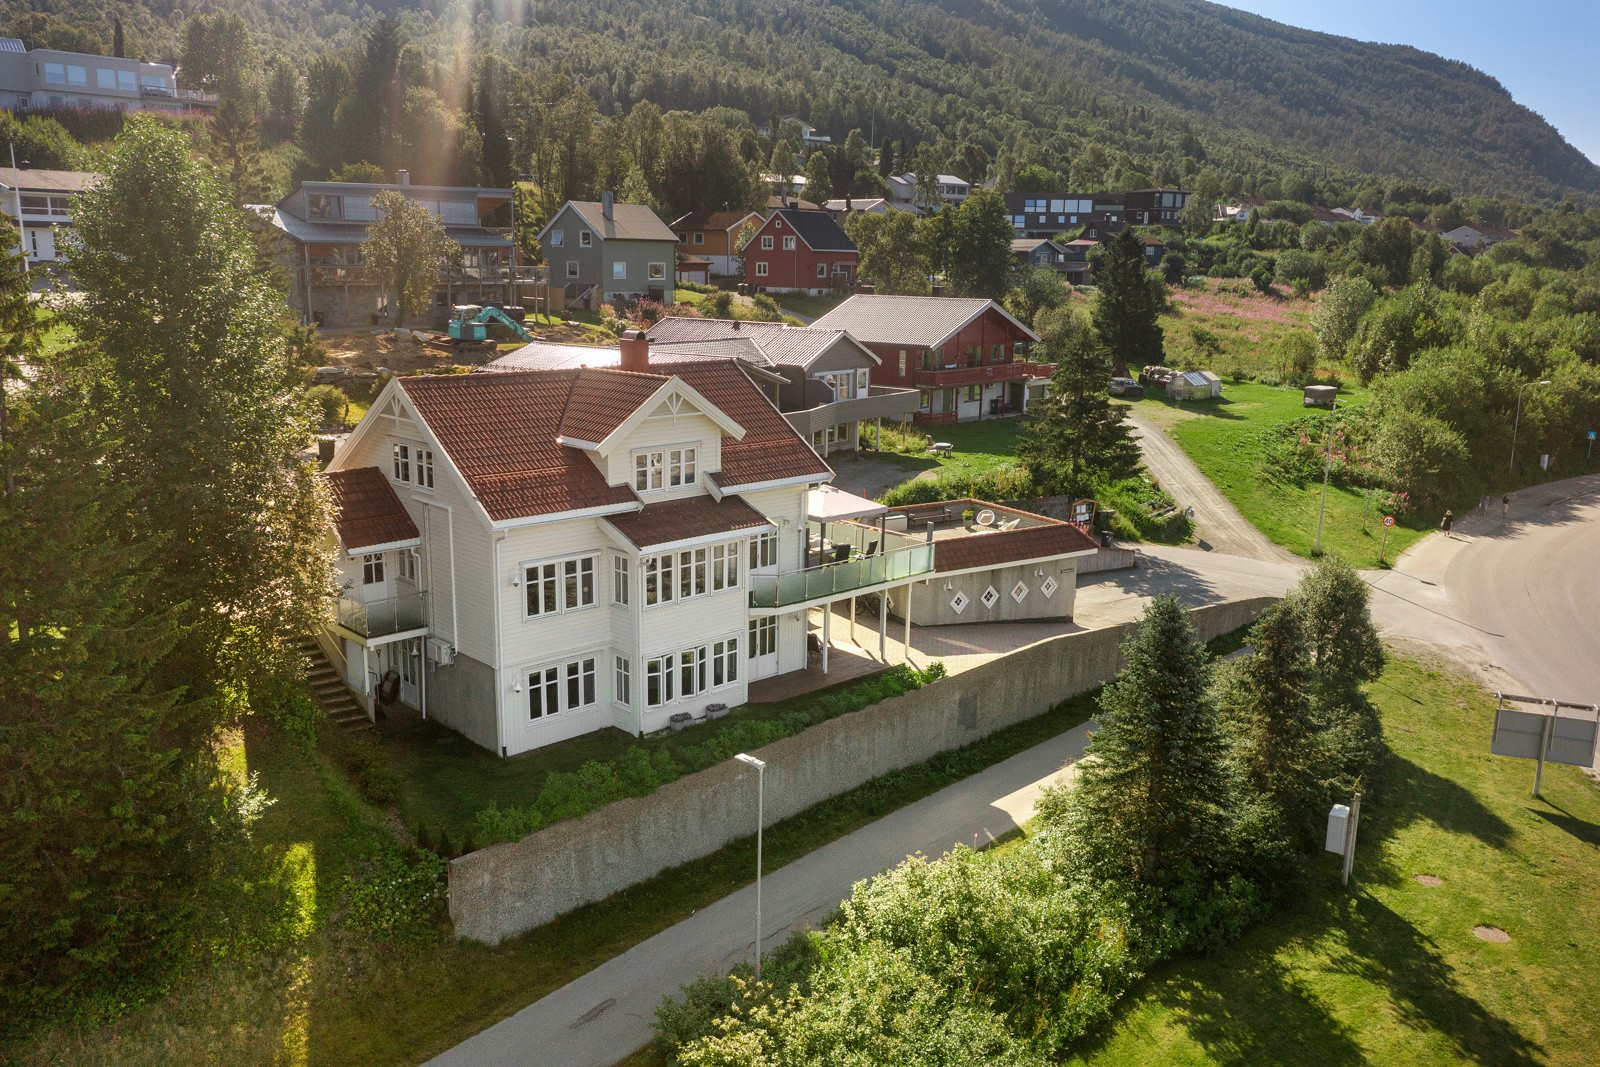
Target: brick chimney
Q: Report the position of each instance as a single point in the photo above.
(607, 205)
(635, 352)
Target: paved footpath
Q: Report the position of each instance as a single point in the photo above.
(605, 1016)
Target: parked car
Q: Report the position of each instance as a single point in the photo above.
(1125, 387)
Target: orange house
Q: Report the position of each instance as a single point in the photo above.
(714, 235)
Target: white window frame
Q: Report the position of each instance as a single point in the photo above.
(621, 579)
(766, 243)
(424, 468)
(560, 583)
(408, 565)
(401, 457)
(764, 550)
(822, 270)
(658, 272)
(622, 681)
(372, 568)
(585, 239)
(660, 579)
(699, 237)
(761, 270)
(763, 636)
(619, 270)
(558, 238)
(659, 469)
(572, 268)
(724, 662)
(544, 691)
(788, 243)
(725, 566)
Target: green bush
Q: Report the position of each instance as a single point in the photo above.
(639, 771)
(1006, 482)
(720, 304)
(329, 404)
(287, 704)
(379, 781)
(398, 898)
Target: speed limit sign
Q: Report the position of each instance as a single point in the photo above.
(1388, 520)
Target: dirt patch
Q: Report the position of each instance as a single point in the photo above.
(1491, 933)
(1432, 881)
(364, 350)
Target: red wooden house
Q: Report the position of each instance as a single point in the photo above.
(969, 357)
(798, 251)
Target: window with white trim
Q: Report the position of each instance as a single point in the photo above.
(658, 681)
(761, 270)
(557, 238)
(658, 272)
(619, 271)
(724, 662)
(559, 687)
(622, 684)
(666, 468)
(621, 579)
(724, 567)
(372, 568)
(788, 244)
(585, 239)
(572, 268)
(763, 636)
(581, 689)
(764, 550)
(424, 468)
(691, 573)
(699, 238)
(407, 558)
(766, 243)
(559, 585)
(822, 270)
(692, 671)
(658, 587)
(402, 463)
(544, 692)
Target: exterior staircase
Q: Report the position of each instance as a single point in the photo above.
(333, 696)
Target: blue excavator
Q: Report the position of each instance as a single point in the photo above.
(469, 324)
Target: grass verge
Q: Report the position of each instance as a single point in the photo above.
(1389, 970)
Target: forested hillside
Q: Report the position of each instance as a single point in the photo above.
(1101, 93)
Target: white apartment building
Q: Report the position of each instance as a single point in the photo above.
(40, 204)
(530, 556)
(45, 78)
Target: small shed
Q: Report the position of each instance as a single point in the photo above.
(695, 269)
(1194, 385)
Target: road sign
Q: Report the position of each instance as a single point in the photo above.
(1388, 520)
(1591, 435)
(1553, 731)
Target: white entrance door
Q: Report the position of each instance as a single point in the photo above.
(42, 244)
(763, 647)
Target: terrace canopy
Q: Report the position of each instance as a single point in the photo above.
(826, 504)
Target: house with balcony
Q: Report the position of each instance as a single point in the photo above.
(527, 556)
(47, 79)
(1155, 207)
(603, 251)
(323, 226)
(798, 251)
(1036, 215)
(968, 357)
(40, 203)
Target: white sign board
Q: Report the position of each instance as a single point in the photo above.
(1522, 734)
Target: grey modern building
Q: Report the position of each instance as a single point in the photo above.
(47, 79)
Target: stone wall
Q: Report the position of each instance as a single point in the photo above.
(505, 889)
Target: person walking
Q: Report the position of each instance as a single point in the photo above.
(1505, 505)
(1444, 524)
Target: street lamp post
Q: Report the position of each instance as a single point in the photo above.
(761, 788)
(1327, 469)
(1516, 422)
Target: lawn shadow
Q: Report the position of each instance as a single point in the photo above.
(1386, 949)
(1217, 408)
(1587, 832)
(1413, 792)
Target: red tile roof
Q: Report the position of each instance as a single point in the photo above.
(602, 400)
(771, 449)
(366, 511)
(680, 520)
(500, 432)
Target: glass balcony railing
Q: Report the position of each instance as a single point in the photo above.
(834, 579)
(379, 618)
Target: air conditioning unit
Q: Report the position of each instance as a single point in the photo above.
(441, 652)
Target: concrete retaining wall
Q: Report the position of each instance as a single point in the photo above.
(505, 889)
(1108, 559)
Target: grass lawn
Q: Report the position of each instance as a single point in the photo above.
(980, 446)
(1389, 971)
(446, 779)
(811, 307)
(288, 982)
(1224, 438)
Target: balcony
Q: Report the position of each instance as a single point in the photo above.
(880, 402)
(953, 377)
(382, 618)
(905, 558)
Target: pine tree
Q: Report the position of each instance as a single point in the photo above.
(1125, 313)
(497, 162)
(1148, 807)
(234, 148)
(1075, 437)
(1346, 653)
(1278, 739)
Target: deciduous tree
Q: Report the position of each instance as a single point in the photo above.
(405, 250)
(980, 246)
(891, 258)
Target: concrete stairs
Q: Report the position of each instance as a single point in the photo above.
(333, 696)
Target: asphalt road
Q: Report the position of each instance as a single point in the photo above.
(1218, 525)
